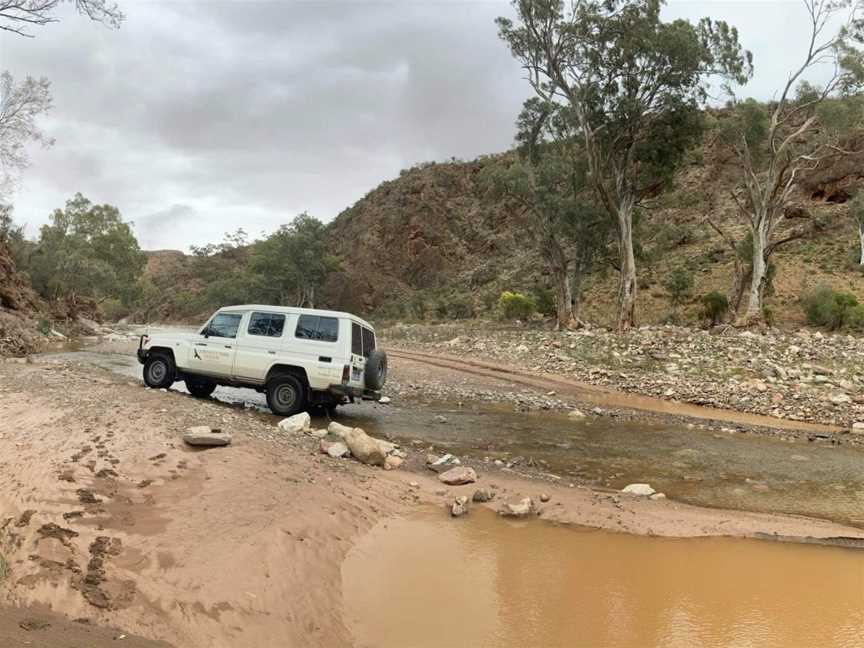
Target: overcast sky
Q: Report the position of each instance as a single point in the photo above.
(197, 117)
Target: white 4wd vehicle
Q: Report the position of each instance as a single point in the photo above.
(299, 357)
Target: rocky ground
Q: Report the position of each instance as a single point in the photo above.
(802, 376)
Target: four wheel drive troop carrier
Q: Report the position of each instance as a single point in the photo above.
(299, 357)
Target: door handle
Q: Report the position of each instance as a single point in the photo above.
(227, 346)
(324, 359)
(272, 352)
(200, 344)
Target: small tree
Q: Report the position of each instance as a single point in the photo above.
(634, 85)
(516, 306)
(856, 211)
(775, 143)
(679, 287)
(715, 305)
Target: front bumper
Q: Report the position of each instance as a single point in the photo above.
(355, 392)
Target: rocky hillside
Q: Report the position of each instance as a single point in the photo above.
(436, 234)
(19, 309)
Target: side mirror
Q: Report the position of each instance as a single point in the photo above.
(207, 333)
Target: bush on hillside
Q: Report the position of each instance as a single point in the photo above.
(516, 306)
(832, 309)
(715, 305)
(545, 301)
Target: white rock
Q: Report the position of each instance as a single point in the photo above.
(384, 400)
(576, 414)
(364, 448)
(338, 429)
(458, 476)
(642, 490)
(337, 449)
(392, 462)
(298, 423)
(658, 496)
(459, 507)
(203, 435)
(858, 428)
(840, 399)
(522, 508)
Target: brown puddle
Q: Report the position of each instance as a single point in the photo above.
(485, 582)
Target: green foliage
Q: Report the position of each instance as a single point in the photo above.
(715, 305)
(516, 306)
(86, 250)
(292, 264)
(679, 286)
(834, 310)
(545, 300)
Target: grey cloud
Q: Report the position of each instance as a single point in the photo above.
(198, 117)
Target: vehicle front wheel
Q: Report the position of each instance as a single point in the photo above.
(200, 387)
(159, 371)
(286, 395)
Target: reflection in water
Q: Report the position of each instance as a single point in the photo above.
(483, 582)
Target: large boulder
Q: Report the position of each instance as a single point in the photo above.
(203, 435)
(364, 448)
(301, 422)
(458, 476)
(361, 439)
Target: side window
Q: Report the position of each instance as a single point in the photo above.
(224, 325)
(368, 342)
(314, 327)
(266, 324)
(356, 340)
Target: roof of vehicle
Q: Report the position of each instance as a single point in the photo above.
(295, 311)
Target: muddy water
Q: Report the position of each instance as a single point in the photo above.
(737, 471)
(430, 581)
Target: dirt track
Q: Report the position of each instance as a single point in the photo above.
(105, 514)
(605, 397)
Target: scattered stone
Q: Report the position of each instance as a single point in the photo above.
(384, 400)
(335, 449)
(658, 496)
(392, 462)
(440, 419)
(840, 399)
(642, 490)
(414, 484)
(318, 434)
(338, 429)
(522, 508)
(203, 435)
(576, 414)
(459, 506)
(301, 422)
(440, 464)
(483, 495)
(458, 476)
(597, 411)
(858, 427)
(544, 497)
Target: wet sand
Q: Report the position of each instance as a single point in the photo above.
(105, 514)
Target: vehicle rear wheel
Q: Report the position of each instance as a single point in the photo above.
(200, 387)
(286, 395)
(159, 371)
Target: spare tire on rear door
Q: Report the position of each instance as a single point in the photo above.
(376, 370)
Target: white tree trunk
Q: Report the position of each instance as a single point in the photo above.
(760, 267)
(627, 285)
(563, 297)
(861, 242)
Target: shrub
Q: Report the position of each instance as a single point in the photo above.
(514, 305)
(829, 308)
(715, 305)
(678, 285)
(545, 300)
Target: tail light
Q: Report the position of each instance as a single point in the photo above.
(346, 373)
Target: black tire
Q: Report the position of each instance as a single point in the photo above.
(375, 374)
(159, 371)
(200, 387)
(286, 395)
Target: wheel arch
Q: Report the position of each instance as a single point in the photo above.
(289, 370)
(160, 350)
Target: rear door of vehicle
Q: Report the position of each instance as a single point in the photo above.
(258, 344)
(316, 340)
(362, 344)
(212, 350)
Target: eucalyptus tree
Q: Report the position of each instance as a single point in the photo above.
(776, 142)
(635, 84)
